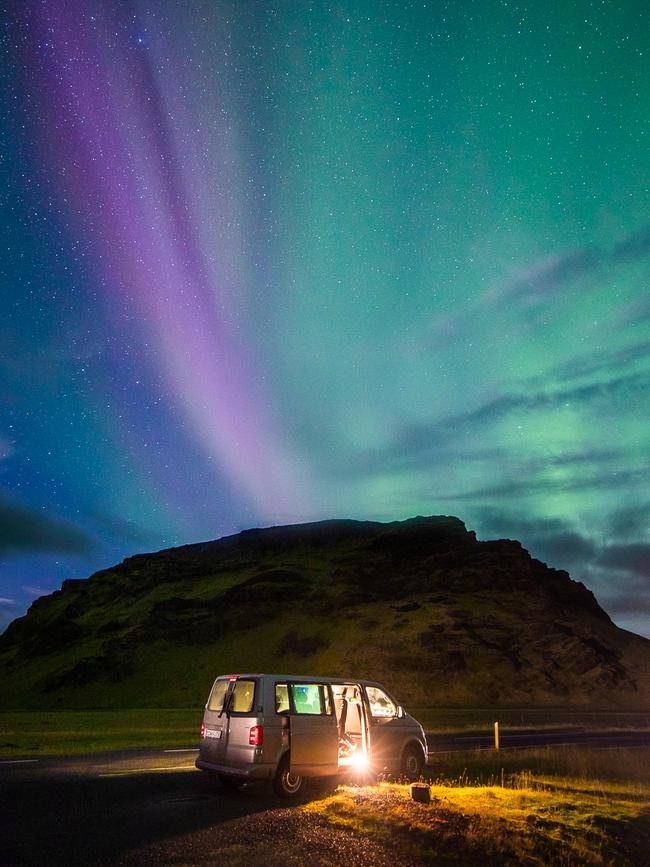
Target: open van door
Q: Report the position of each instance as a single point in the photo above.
(313, 731)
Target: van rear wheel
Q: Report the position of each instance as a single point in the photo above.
(286, 784)
(412, 763)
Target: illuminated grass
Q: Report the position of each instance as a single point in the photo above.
(536, 819)
(33, 733)
(626, 765)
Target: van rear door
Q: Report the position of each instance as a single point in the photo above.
(313, 731)
(215, 723)
(227, 721)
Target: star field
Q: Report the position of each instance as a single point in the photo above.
(268, 262)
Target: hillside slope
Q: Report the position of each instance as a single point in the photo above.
(420, 605)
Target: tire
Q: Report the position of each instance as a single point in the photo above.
(285, 783)
(412, 763)
(230, 784)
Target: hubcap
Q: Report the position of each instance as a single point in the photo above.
(292, 781)
(412, 765)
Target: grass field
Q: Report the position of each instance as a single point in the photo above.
(29, 733)
(564, 807)
(457, 719)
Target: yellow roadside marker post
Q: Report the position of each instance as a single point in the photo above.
(496, 737)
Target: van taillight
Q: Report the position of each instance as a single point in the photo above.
(202, 730)
(256, 736)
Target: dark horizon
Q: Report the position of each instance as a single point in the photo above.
(348, 523)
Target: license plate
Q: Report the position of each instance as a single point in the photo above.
(213, 733)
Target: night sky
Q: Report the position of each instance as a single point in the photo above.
(265, 262)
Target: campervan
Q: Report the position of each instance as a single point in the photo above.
(286, 729)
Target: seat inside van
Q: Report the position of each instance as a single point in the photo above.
(350, 721)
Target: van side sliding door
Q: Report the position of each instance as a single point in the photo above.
(313, 731)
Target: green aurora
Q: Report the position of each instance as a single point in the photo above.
(429, 228)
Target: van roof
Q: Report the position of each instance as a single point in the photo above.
(312, 678)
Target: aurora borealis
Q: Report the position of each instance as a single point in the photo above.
(266, 262)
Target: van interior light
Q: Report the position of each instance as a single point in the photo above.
(359, 761)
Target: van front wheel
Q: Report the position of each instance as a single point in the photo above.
(412, 763)
(286, 784)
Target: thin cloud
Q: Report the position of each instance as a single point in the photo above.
(546, 277)
(625, 592)
(598, 362)
(631, 384)
(494, 521)
(631, 521)
(36, 591)
(628, 603)
(635, 313)
(633, 557)
(634, 246)
(543, 279)
(416, 452)
(552, 540)
(528, 487)
(416, 439)
(550, 274)
(617, 573)
(24, 530)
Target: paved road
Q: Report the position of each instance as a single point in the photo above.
(157, 809)
(128, 762)
(152, 807)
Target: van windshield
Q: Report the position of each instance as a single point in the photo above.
(380, 703)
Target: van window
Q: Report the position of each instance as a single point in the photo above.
(218, 694)
(380, 704)
(242, 696)
(281, 698)
(311, 698)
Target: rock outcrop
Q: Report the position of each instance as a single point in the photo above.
(422, 605)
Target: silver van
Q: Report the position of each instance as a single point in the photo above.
(286, 728)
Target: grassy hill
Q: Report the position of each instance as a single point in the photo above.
(420, 605)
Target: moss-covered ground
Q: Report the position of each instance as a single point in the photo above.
(540, 807)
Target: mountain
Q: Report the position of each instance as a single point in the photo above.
(420, 605)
